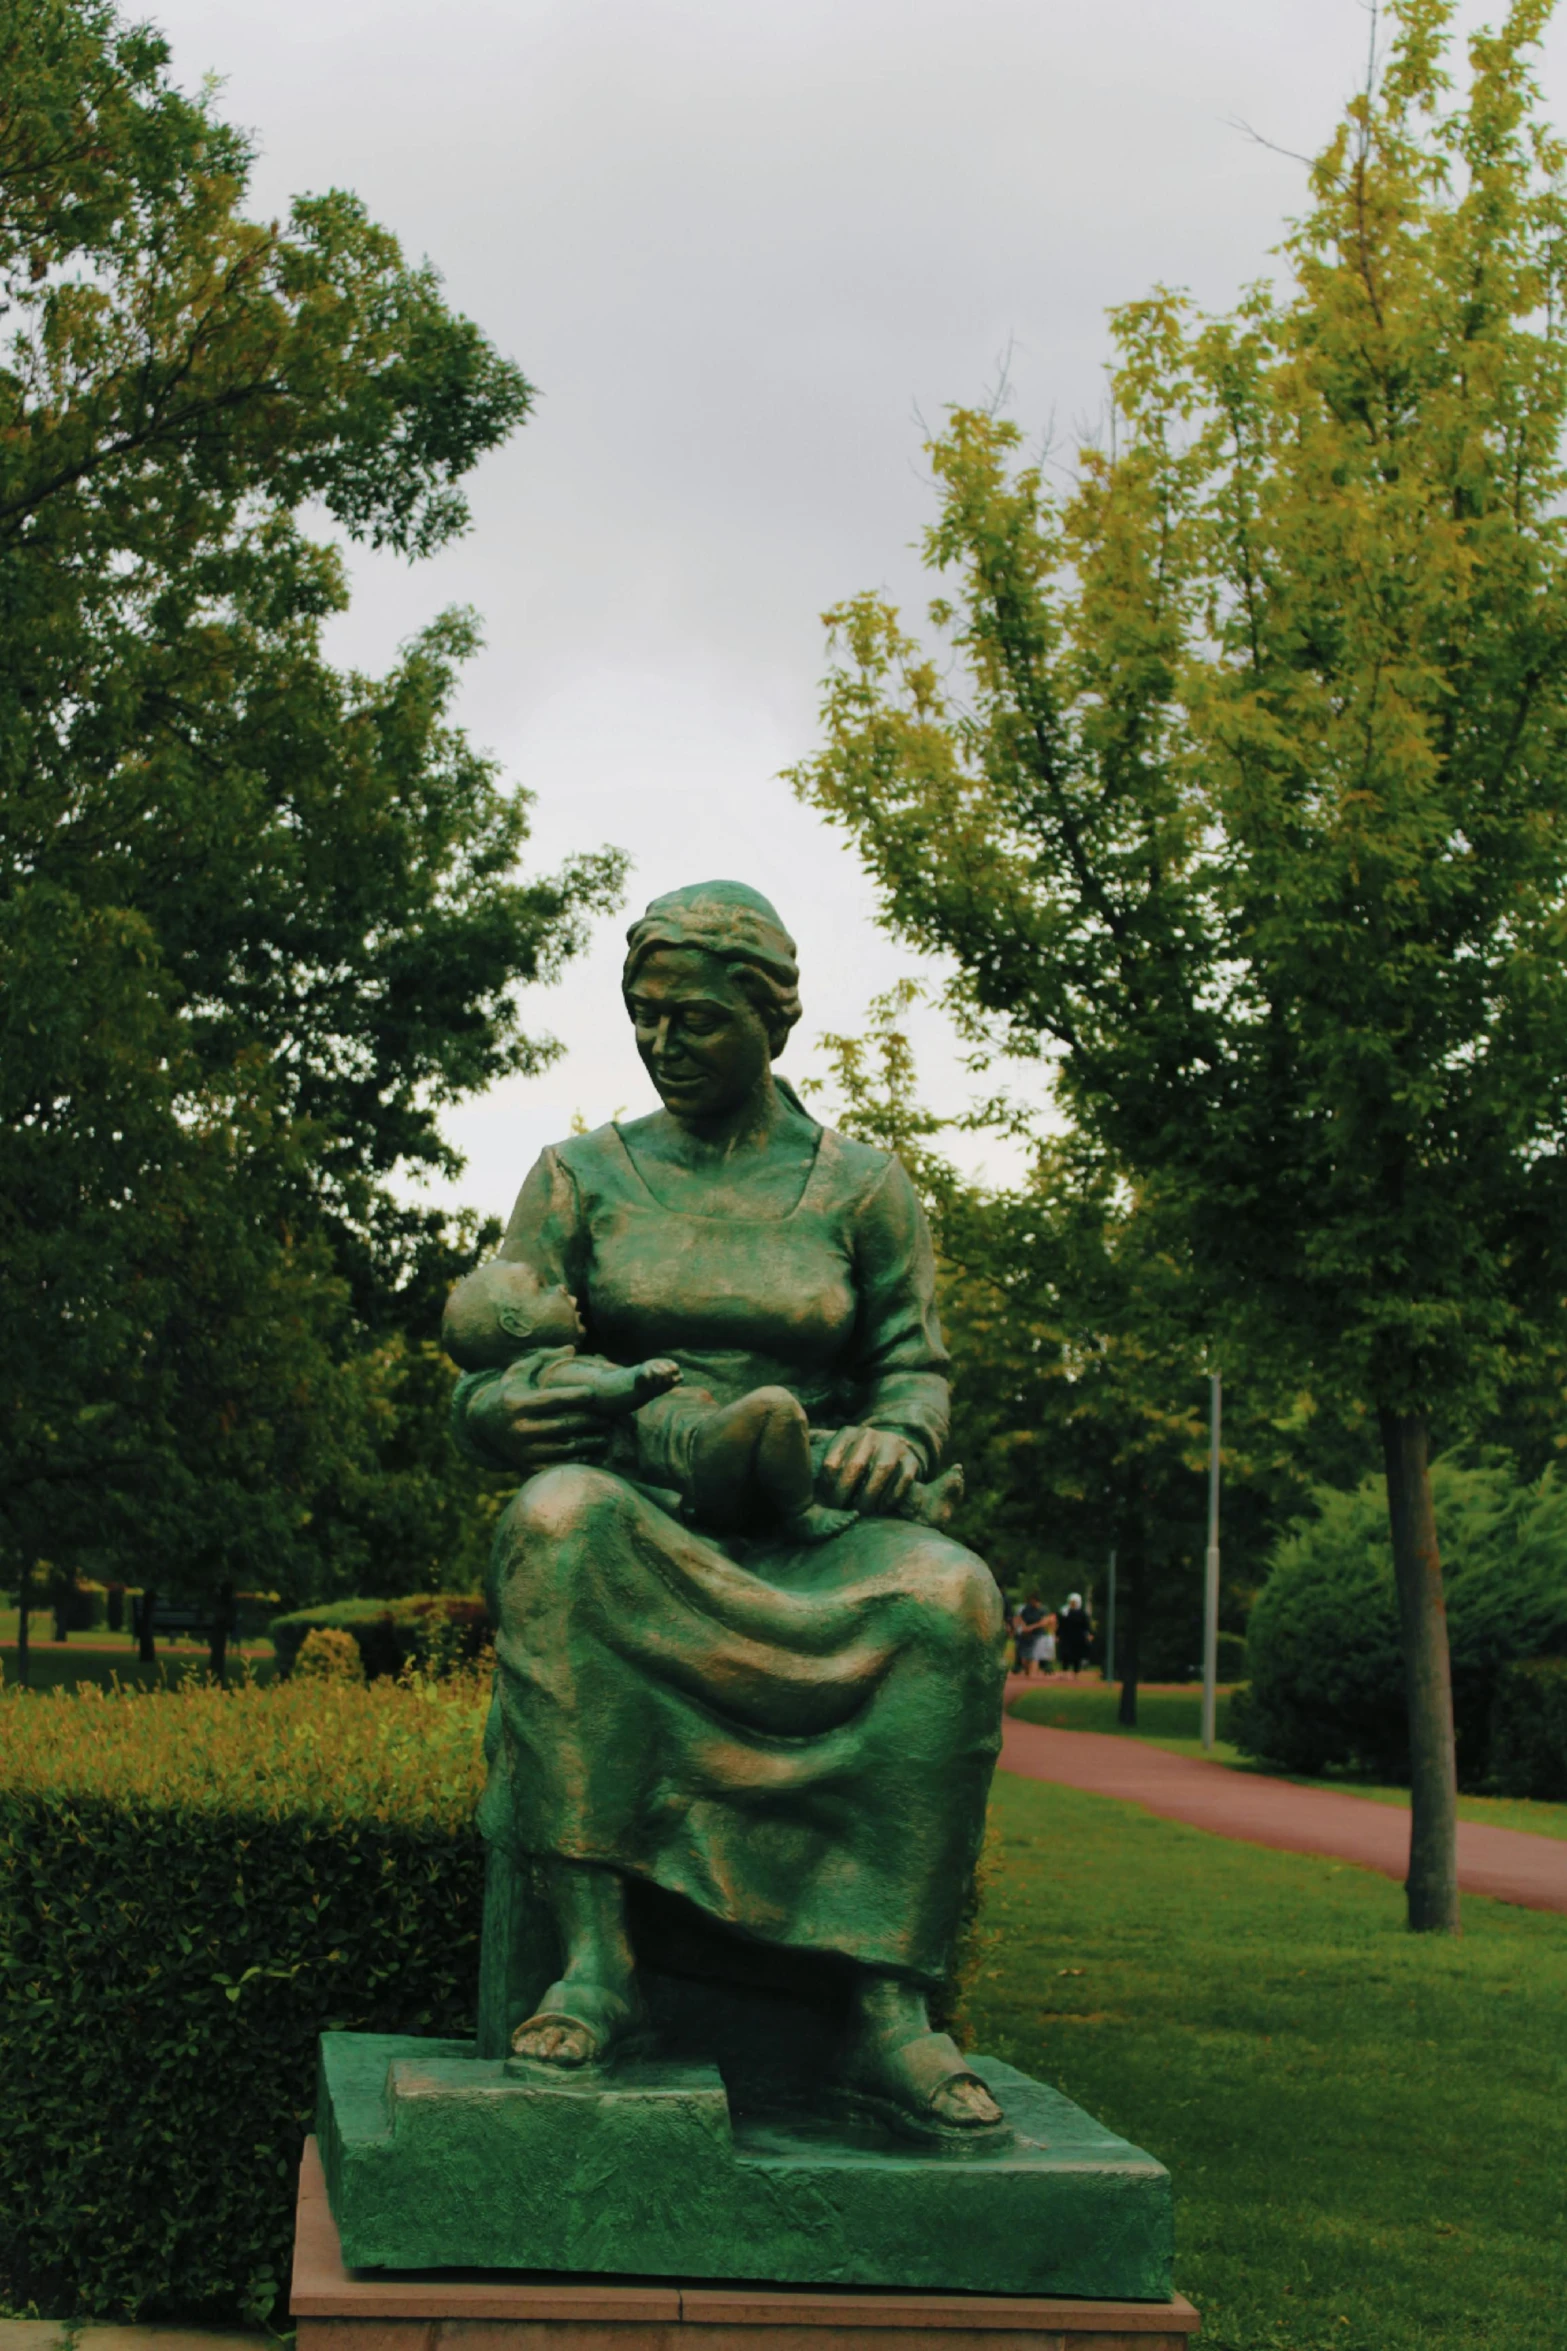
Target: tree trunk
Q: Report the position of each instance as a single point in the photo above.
(1130, 1641)
(146, 1648)
(23, 1605)
(1431, 1888)
(218, 1640)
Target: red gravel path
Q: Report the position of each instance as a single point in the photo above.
(1509, 1863)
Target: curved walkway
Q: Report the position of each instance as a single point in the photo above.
(1510, 1864)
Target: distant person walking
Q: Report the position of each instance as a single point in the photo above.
(1047, 1643)
(1030, 1633)
(1074, 1632)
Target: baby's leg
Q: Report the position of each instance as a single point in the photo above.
(758, 1450)
(612, 1388)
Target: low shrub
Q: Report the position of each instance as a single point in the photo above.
(435, 1631)
(1231, 1657)
(1326, 1674)
(328, 1654)
(192, 1887)
(1529, 1729)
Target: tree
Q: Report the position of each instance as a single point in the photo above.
(259, 919)
(1254, 816)
(1078, 1339)
(179, 1377)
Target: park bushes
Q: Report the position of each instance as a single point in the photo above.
(434, 1631)
(1322, 1643)
(1529, 1729)
(191, 1888)
(1231, 1657)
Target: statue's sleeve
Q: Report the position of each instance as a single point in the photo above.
(546, 1232)
(898, 1362)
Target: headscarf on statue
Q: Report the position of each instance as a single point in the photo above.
(739, 928)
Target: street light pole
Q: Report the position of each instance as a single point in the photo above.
(1110, 1623)
(1210, 1598)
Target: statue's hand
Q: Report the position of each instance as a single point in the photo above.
(533, 1427)
(868, 1470)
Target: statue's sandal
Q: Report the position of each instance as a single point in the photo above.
(902, 2087)
(608, 2025)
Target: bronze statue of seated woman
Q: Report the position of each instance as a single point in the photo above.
(746, 1690)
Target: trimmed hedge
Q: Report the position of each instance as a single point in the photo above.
(1327, 1682)
(193, 1886)
(1529, 1729)
(432, 1630)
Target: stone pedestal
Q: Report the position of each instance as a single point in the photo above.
(436, 2158)
(338, 2309)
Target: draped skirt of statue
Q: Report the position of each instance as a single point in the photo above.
(798, 1739)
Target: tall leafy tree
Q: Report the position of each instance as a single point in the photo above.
(1241, 790)
(1079, 1337)
(259, 918)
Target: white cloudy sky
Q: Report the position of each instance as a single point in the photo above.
(743, 247)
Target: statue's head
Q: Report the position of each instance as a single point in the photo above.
(712, 985)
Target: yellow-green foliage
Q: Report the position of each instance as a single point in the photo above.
(328, 1654)
(192, 1887)
(408, 1750)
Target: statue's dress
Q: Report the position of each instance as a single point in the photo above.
(798, 1739)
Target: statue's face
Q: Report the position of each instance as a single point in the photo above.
(702, 1042)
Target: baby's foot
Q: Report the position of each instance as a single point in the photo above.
(817, 1524)
(618, 1388)
(933, 1505)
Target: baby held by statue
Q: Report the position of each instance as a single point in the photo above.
(724, 1466)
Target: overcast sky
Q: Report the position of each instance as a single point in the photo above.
(743, 247)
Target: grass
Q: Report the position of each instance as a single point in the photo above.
(79, 1664)
(99, 1658)
(1169, 1715)
(1172, 1718)
(1367, 2129)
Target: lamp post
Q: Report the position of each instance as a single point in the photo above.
(1210, 1598)
(1110, 1623)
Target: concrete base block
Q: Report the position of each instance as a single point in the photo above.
(338, 2309)
(437, 2158)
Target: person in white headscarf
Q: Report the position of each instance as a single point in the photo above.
(1073, 1632)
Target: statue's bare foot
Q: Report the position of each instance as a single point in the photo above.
(578, 2023)
(964, 2102)
(909, 2077)
(923, 2089)
(555, 2040)
(817, 1524)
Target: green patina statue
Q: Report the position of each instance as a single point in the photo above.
(736, 1661)
(747, 1705)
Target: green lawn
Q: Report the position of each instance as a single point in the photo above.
(1173, 1719)
(55, 1668)
(1170, 1716)
(1367, 2129)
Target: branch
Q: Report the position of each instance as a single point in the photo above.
(1237, 122)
